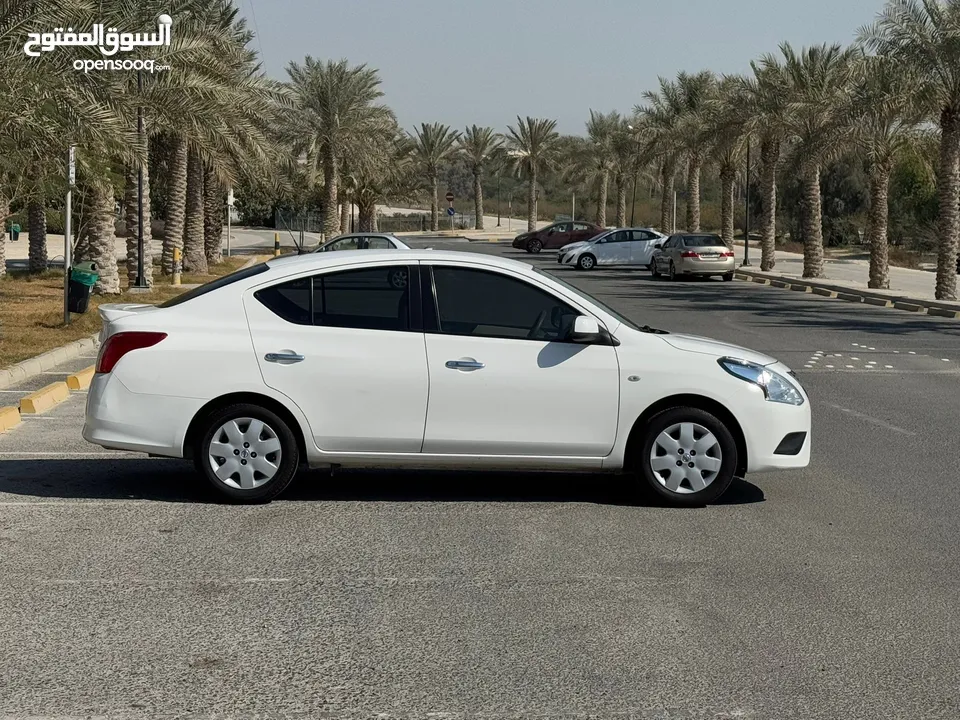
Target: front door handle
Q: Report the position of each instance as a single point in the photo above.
(290, 357)
(464, 365)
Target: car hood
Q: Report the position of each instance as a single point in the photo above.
(574, 246)
(709, 346)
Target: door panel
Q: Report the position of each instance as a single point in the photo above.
(615, 249)
(362, 383)
(503, 381)
(559, 238)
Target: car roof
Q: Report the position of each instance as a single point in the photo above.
(309, 261)
(695, 234)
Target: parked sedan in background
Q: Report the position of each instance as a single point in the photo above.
(694, 254)
(363, 241)
(627, 246)
(556, 236)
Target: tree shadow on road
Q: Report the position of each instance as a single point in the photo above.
(176, 481)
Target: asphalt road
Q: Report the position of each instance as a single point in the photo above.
(830, 592)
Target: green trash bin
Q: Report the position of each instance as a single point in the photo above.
(83, 276)
(14, 232)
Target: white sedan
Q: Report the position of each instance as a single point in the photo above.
(623, 246)
(363, 241)
(432, 359)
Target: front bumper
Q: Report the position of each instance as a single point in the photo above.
(772, 431)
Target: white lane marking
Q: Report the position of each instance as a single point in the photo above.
(912, 352)
(855, 359)
(945, 359)
(871, 419)
(830, 366)
(871, 348)
(849, 366)
(889, 367)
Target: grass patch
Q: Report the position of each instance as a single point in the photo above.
(31, 308)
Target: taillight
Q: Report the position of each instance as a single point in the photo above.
(120, 344)
(726, 254)
(690, 254)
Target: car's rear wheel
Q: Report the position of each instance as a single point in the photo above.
(687, 456)
(728, 277)
(534, 246)
(247, 453)
(654, 270)
(673, 271)
(586, 262)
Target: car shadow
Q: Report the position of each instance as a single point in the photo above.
(176, 481)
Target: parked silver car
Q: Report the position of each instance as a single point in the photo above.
(693, 254)
(363, 241)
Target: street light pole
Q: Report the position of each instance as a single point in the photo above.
(498, 198)
(746, 217)
(68, 234)
(141, 280)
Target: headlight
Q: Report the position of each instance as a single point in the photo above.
(776, 388)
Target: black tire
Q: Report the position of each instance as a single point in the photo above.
(289, 454)
(719, 484)
(728, 277)
(534, 246)
(654, 270)
(673, 271)
(586, 262)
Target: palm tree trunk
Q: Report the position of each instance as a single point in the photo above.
(532, 202)
(812, 223)
(769, 158)
(693, 192)
(331, 218)
(948, 217)
(621, 181)
(366, 211)
(600, 218)
(727, 178)
(37, 227)
(130, 195)
(212, 218)
(667, 201)
(478, 198)
(101, 238)
(4, 214)
(877, 226)
(194, 257)
(176, 204)
(434, 203)
(345, 214)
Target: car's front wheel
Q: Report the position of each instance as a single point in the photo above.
(673, 271)
(534, 246)
(654, 269)
(687, 457)
(247, 453)
(586, 262)
(728, 277)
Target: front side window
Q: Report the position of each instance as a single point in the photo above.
(378, 243)
(481, 303)
(351, 243)
(561, 228)
(580, 227)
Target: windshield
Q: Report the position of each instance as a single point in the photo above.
(606, 308)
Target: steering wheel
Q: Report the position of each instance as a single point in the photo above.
(537, 325)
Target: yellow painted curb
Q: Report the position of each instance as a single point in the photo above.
(824, 292)
(81, 380)
(779, 284)
(801, 288)
(44, 399)
(879, 302)
(910, 307)
(850, 297)
(9, 417)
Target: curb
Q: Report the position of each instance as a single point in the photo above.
(46, 361)
(9, 418)
(865, 297)
(44, 399)
(81, 379)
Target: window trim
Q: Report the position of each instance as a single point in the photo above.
(607, 338)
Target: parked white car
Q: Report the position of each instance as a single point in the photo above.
(622, 246)
(432, 359)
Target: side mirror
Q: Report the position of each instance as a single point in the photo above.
(658, 246)
(549, 232)
(585, 330)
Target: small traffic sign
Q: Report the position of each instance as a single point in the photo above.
(449, 196)
(451, 212)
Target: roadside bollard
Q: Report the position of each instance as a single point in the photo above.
(176, 266)
(276, 244)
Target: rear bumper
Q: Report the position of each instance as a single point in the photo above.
(122, 420)
(707, 267)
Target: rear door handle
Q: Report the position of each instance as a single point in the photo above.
(465, 365)
(283, 357)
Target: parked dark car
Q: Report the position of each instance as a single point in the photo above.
(556, 236)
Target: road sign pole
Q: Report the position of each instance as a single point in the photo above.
(67, 232)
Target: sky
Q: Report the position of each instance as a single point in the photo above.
(485, 62)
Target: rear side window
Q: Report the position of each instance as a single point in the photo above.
(290, 300)
(216, 284)
(703, 241)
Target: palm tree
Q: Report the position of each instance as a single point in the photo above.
(434, 145)
(333, 104)
(661, 116)
(695, 92)
(479, 145)
(764, 98)
(37, 227)
(213, 205)
(194, 249)
(725, 136)
(601, 129)
(816, 81)
(533, 146)
(884, 115)
(626, 160)
(923, 37)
